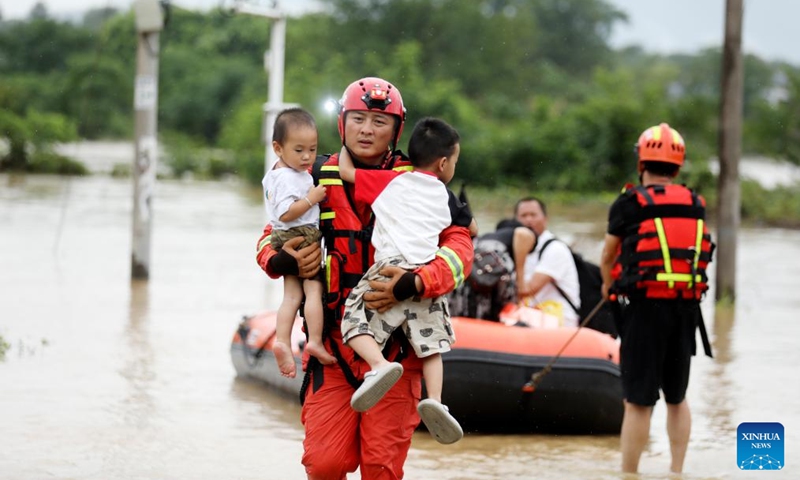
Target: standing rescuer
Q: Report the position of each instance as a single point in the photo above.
(338, 439)
(656, 251)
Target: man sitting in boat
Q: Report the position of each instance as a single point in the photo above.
(550, 274)
(498, 267)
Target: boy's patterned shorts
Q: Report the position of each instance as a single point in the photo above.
(425, 321)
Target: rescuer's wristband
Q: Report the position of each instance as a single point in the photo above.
(406, 287)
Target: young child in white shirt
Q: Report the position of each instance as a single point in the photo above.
(292, 200)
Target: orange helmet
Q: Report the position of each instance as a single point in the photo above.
(661, 143)
(372, 93)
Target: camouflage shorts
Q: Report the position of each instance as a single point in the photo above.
(310, 234)
(425, 321)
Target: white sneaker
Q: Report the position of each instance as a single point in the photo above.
(376, 384)
(437, 419)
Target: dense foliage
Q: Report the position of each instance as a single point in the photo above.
(541, 99)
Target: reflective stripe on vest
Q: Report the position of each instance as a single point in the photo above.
(328, 272)
(675, 266)
(678, 277)
(668, 276)
(662, 241)
(698, 245)
(328, 180)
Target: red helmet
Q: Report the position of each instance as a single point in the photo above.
(661, 143)
(370, 94)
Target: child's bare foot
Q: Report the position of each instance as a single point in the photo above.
(285, 358)
(318, 350)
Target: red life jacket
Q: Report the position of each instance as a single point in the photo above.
(668, 255)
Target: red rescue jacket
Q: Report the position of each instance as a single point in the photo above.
(668, 256)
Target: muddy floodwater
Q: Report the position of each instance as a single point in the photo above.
(109, 379)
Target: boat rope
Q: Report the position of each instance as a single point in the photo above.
(536, 377)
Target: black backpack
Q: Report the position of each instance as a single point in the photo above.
(591, 283)
(492, 265)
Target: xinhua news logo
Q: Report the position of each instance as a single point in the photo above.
(759, 446)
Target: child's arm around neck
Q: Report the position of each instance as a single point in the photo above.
(347, 171)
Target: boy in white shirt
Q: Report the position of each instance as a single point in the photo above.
(411, 210)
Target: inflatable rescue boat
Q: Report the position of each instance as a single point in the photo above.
(488, 375)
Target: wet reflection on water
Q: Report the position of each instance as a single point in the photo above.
(138, 406)
(112, 379)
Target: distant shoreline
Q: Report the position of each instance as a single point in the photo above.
(100, 156)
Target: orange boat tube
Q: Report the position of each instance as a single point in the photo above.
(485, 374)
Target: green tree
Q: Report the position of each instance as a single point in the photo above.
(40, 45)
(199, 90)
(575, 34)
(242, 135)
(97, 92)
(95, 18)
(777, 127)
(30, 135)
(500, 46)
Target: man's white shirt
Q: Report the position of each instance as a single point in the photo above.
(558, 264)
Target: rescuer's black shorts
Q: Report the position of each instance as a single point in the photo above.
(658, 342)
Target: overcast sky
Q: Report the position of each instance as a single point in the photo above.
(770, 26)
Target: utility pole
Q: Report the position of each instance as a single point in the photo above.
(274, 64)
(149, 23)
(730, 149)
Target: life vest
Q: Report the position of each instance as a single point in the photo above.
(667, 256)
